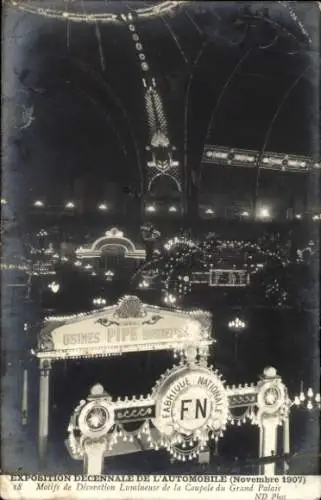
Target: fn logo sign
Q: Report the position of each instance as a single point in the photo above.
(193, 409)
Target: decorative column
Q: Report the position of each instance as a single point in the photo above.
(94, 450)
(24, 404)
(272, 404)
(286, 442)
(45, 367)
(260, 446)
(269, 431)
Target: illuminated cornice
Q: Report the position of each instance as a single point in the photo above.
(236, 157)
(117, 350)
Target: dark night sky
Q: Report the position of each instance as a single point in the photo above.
(89, 117)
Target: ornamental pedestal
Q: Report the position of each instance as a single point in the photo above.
(94, 450)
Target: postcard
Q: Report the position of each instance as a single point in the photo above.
(160, 250)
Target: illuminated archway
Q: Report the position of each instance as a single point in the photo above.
(114, 238)
(107, 240)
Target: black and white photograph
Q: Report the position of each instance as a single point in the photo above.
(160, 239)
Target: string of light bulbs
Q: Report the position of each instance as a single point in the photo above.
(89, 15)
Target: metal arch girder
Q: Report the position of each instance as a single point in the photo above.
(92, 17)
(165, 174)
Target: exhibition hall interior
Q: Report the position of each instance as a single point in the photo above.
(160, 224)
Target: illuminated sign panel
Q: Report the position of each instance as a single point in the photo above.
(117, 335)
(190, 400)
(128, 327)
(222, 277)
(228, 277)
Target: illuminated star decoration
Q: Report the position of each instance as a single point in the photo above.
(271, 396)
(96, 418)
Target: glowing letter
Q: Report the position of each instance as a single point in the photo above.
(201, 408)
(183, 408)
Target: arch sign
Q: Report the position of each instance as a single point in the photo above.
(189, 405)
(128, 326)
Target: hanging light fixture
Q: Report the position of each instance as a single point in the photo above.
(38, 203)
(264, 213)
(54, 287)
